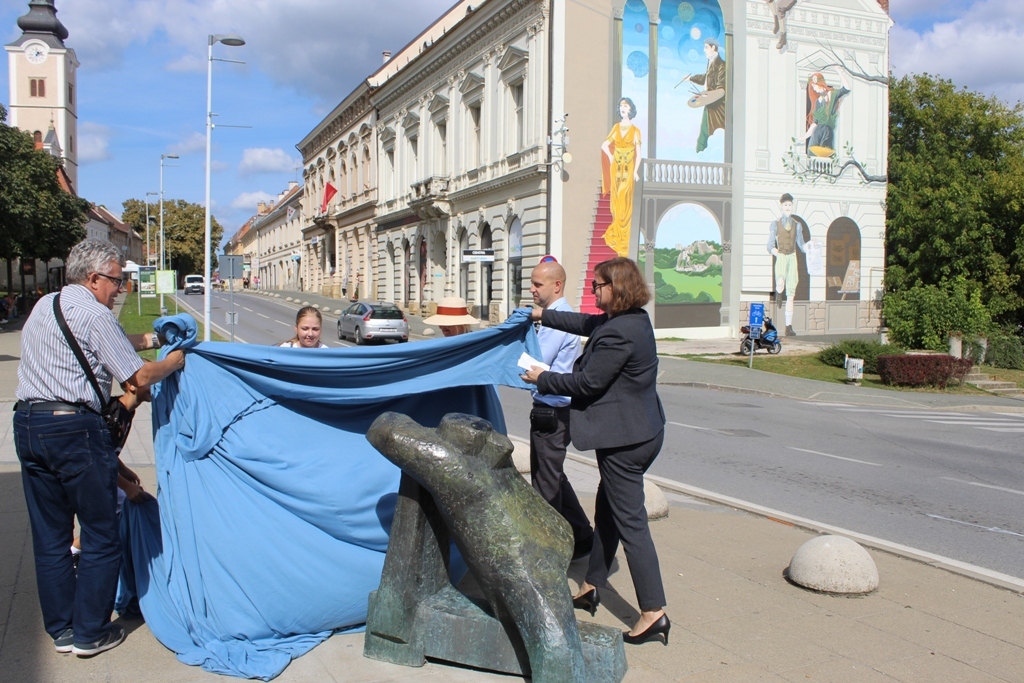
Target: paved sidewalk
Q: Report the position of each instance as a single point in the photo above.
(735, 618)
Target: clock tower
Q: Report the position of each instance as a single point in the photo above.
(42, 73)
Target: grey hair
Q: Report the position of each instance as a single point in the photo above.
(90, 256)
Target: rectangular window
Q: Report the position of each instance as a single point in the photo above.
(389, 178)
(474, 133)
(37, 87)
(517, 107)
(71, 94)
(442, 148)
(414, 149)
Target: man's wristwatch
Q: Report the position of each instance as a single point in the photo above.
(154, 341)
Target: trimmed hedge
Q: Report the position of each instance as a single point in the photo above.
(918, 370)
(869, 350)
(924, 316)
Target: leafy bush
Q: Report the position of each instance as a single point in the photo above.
(1005, 351)
(923, 317)
(869, 350)
(917, 370)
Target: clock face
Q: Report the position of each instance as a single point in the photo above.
(36, 53)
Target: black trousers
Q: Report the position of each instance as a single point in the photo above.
(547, 473)
(620, 516)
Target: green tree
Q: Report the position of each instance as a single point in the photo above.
(38, 219)
(955, 202)
(184, 230)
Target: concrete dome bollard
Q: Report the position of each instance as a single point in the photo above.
(654, 500)
(521, 456)
(833, 564)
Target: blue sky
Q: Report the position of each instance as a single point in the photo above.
(142, 88)
(142, 83)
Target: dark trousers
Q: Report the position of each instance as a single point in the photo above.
(68, 468)
(620, 515)
(547, 473)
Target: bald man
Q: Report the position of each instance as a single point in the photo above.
(549, 419)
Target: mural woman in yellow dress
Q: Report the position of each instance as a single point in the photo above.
(621, 166)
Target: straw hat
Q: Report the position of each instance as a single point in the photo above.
(451, 310)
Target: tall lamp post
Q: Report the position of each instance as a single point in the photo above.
(149, 250)
(162, 157)
(231, 40)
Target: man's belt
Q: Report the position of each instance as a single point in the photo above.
(51, 407)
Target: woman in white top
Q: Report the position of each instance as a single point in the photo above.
(308, 323)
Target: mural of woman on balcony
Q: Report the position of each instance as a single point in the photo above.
(822, 113)
(620, 164)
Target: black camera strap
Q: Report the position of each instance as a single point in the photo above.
(79, 354)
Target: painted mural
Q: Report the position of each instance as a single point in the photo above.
(823, 102)
(621, 155)
(636, 59)
(687, 257)
(691, 81)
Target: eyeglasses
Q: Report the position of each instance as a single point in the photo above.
(119, 281)
(595, 285)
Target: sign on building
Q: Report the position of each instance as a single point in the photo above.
(478, 256)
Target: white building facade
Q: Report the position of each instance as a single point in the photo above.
(278, 242)
(339, 247)
(462, 148)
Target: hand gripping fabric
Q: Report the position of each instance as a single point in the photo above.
(273, 510)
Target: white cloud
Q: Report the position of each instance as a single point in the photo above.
(219, 166)
(93, 143)
(264, 160)
(247, 201)
(196, 142)
(322, 48)
(983, 49)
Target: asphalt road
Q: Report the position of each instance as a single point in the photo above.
(945, 482)
(261, 320)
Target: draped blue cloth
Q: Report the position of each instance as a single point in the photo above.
(273, 511)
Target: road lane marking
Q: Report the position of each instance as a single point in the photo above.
(837, 457)
(279, 322)
(903, 413)
(247, 309)
(702, 429)
(994, 529)
(984, 486)
(828, 405)
(263, 316)
(976, 423)
(1011, 430)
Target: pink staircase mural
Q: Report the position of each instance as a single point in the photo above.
(597, 251)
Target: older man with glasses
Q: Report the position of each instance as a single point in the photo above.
(68, 463)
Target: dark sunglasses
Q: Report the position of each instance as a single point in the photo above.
(595, 285)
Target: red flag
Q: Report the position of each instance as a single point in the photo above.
(329, 192)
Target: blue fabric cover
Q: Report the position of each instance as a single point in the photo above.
(273, 510)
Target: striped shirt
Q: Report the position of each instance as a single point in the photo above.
(49, 370)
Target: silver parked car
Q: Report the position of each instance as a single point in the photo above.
(372, 321)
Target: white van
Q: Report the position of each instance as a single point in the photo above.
(195, 283)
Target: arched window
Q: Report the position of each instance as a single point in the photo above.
(38, 137)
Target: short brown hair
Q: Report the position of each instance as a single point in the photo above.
(628, 287)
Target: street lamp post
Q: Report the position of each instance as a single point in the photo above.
(231, 40)
(149, 250)
(163, 311)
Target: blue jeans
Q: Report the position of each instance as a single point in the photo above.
(68, 468)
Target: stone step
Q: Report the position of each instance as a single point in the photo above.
(1016, 391)
(993, 385)
(976, 377)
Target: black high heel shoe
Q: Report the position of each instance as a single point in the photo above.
(588, 602)
(660, 627)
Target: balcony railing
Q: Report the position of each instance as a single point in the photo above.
(686, 172)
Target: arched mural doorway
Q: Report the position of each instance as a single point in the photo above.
(688, 266)
(463, 265)
(842, 267)
(408, 278)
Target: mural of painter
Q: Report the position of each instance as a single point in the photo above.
(712, 99)
(620, 165)
(785, 237)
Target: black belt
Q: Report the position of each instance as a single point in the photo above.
(51, 407)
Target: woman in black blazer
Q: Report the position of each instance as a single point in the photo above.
(616, 411)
